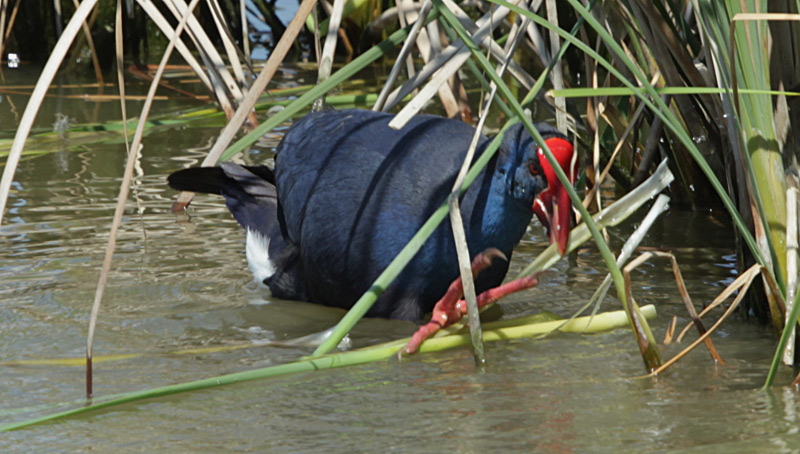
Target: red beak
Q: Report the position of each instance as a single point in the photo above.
(552, 206)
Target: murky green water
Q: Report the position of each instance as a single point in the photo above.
(182, 282)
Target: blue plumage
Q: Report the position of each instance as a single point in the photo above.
(348, 192)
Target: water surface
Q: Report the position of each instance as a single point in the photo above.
(181, 281)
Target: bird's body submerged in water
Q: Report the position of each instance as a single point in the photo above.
(348, 192)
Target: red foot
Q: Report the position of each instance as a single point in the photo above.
(451, 307)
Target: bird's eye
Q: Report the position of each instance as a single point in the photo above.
(533, 169)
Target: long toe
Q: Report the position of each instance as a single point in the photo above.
(451, 308)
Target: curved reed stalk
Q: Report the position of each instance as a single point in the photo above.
(123, 194)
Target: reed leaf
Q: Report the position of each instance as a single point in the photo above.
(580, 92)
(759, 142)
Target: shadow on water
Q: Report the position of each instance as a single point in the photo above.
(187, 285)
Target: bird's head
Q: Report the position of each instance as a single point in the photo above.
(552, 205)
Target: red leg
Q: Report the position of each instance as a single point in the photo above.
(451, 307)
(447, 310)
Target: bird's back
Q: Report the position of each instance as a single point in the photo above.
(353, 191)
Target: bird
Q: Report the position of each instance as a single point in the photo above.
(347, 192)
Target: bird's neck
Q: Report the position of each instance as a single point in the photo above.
(499, 218)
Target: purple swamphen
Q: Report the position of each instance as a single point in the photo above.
(348, 192)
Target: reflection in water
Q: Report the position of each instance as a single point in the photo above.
(186, 284)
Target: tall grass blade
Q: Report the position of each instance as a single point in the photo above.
(404, 52)
(792, 258)
(161, 22)
(245, 30)
(557, 75)
(580, 92)
(98, 73)
(760, 145)
(654, 102)
(329, 48)
(230, 46)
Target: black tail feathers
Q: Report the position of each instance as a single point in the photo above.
(212, 180)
